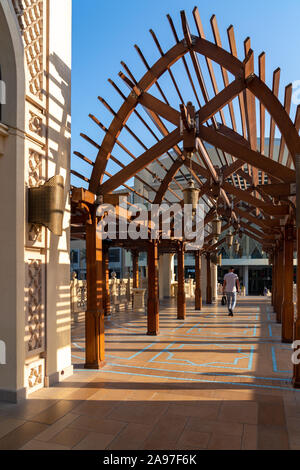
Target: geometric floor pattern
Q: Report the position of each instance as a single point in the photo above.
(209, 382)
(207, 346)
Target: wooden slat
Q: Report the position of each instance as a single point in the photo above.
(287, 107)
(249, 156)
(141, 162)
(297, 127)
(262, 111)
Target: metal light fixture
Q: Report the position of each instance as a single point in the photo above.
(217, 227)
(191, 194)
(236, 247)
(46, 205)
(229, 239)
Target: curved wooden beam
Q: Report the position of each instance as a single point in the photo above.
(166, 181)
(278, 113)
(255, 202)
(218, 55)
(227, 61)
(247, 155)
(141, 162)
(172, 56)
(202, 46)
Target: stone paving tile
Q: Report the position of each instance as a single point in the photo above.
(246, 412)
(193, 440)
(55, 428)
(249, 438)
(39, 445)
(210, 382)
(94, 441)
(8, 425)
(138, 412)
(272, 438)
(69, 437)
(219, 441)
(94, 423)
(197, 410)
(54, 412)
(166, 432)
(21, 435)
(214, 426)
(132, 437)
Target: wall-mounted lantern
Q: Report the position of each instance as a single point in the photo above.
(46, 205)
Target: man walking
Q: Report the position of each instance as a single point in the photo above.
(231, 286)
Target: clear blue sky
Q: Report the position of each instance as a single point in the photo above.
(104, 33)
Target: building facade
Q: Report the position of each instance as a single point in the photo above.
(35, 135)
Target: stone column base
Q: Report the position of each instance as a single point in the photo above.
(57, 377)
(13, 396)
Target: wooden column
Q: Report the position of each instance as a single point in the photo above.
(94, 319)
(273, 279)
(135, 268)
(296, 368)
(276, 290)
(287, 310)
(106, 294)
(181, 305)
(198, 292)
(280, 274)
(208, 276)
(153, 301)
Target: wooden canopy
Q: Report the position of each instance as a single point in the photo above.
(199, 109)
(230, 110)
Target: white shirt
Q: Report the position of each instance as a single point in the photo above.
(230, 279)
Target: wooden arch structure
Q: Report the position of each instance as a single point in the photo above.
(219, 135)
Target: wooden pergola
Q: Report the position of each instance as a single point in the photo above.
(252, 187)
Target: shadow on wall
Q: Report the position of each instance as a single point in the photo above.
(50, 329)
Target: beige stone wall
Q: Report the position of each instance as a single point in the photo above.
(34, 277)
(12, 206)
(58, 248)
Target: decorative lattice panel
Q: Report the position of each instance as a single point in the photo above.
(35, 307)
(30, 18)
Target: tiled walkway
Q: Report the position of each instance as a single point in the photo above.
(211, 382)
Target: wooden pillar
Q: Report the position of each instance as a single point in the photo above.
(94, 318)
(296, 368)
(276, 289)
(208, 276)
(287, 311)
(198, 292)
(135, 268)
(273, 279)
(280, 272)
(153, 300)
(106, 293)
(181, 305)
